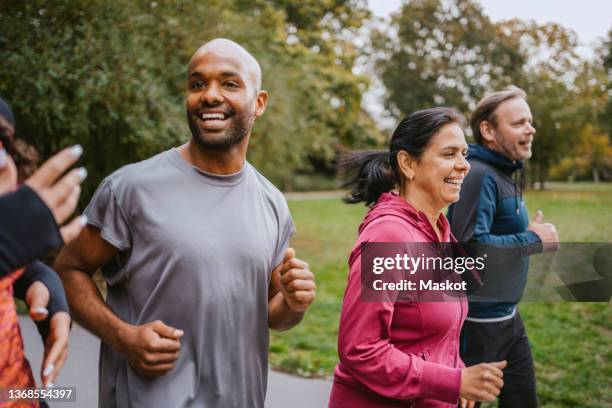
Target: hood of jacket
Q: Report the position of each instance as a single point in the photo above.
(390, 204)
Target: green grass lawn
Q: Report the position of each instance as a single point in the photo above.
(570, 341)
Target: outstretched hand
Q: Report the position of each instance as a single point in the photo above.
(56, 341)
(61, 196)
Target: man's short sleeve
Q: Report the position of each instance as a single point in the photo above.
(286, 230)
(105, 212)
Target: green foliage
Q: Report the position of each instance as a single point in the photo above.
(606, 117)
(552, 78)
(442, 53)
(111, 76)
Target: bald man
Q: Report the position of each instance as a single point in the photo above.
(193, 245)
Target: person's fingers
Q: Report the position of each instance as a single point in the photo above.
(302, 296)
(60, 331)
(166, 331)
(37, 298)
(486, 396)
(298, 263)
(53, 361)
(289, 253)
(538, 217)
(463, 402)
(8, 174)
(497, 382)
(73, 229)
(62, 197)
(499, 364)
(67, 206)
(491, 389)
(284, 265)
(293, 274)
(49, 381)
(65, 186)
(166, 345)
(156, 358)
(3, 156)
(54, 167)
(471, 404)
(300, 284)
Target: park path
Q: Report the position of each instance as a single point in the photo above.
(314, 195)
(81, 371)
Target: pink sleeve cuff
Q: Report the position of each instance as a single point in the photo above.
(440, 382)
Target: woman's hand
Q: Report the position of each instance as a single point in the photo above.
(482, 382)
(56, 348)
(61, 196)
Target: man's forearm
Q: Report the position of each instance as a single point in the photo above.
(280, 316)
(89, 309)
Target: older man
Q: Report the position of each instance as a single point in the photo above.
(491, 211)
(193, 246)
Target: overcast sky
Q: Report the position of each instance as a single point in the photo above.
(589, 18)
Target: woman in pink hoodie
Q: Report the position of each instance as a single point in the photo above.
(406, 353)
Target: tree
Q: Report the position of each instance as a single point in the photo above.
(591, 157)
(111, 76)
(561, 89)
(606, 117)
(589, 152)
(442, 53)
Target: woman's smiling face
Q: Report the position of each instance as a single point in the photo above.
(439, 172)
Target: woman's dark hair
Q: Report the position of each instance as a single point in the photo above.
(26, 159)
(370, 173)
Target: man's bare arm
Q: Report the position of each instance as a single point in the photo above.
(76, 264)
(151, 348)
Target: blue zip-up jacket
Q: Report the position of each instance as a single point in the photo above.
(491, 211)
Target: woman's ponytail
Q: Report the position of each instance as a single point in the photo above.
(368, 174)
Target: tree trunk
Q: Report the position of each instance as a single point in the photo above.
(595, 175)
(287, 185)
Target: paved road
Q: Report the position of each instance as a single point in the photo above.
(81, 371)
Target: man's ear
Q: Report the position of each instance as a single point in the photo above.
(407, 165)
(261, 103)
(487, 131)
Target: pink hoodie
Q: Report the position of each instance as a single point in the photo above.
(397, 354)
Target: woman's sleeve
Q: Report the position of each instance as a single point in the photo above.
(38, 271)
(27, 229)
(366, 352)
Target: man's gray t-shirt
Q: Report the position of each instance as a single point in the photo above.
(196, 252)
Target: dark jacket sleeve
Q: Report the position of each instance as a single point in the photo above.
(484, 221)
(38, 271)
(27, 229)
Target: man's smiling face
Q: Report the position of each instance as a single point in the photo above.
(223, 96)
(513, 134)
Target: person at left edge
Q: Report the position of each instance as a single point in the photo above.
(28, 229)
(193, 244)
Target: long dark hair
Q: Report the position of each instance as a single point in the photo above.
(370, 173)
